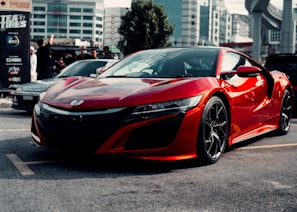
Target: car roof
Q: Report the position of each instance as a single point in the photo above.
(282, 55)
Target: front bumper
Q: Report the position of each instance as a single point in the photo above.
(116, 132)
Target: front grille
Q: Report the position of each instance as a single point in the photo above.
(75, 132)
(85, 132)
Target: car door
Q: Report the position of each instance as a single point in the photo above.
(247, 93)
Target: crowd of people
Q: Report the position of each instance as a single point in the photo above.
(44, 65)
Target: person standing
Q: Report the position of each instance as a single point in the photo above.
(83, 54)
(106, 53)
(33, 64)
(93, 54)
(44, 58)
(59, 64)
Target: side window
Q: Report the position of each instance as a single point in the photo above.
(231, 62)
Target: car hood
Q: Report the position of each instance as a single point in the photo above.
(37, 86)
(123, 92)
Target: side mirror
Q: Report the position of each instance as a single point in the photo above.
(245, 71)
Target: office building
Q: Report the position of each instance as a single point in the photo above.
(69, 20)
(112, 21)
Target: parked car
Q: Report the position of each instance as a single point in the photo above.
(165, 104)
(286, 63)
(26, 95)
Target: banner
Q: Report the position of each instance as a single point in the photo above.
(14, 47)
(16, 5)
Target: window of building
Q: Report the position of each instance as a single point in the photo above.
(75, 17)
(87, 17)
(75, 10)
(56, 30)
(74, 31)
(88, 32)
(51, 30)
(38, 8)
(39, 16)
(72, 24)
(57, 7)
(88, 10)
(87, 24)
(99, 25)
(39, 30)
(98, 18)
(39, 23)
(57, 20)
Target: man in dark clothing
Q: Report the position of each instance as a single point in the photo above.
(106, 53)
(44, 59)
(83, 54)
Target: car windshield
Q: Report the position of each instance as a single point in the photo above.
(81, 68)
(166, 63)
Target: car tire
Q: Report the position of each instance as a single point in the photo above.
(213, 131)
(285, 114)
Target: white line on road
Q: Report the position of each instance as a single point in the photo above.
(22, 166)
(267, 146)
(13, 130)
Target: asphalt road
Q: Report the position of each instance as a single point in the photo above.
(258, 175)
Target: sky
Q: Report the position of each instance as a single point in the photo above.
(234, 6)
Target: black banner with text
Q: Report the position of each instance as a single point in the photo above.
(14, 48)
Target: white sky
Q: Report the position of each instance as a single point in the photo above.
(234, 6)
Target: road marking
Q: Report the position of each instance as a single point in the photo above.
(22, 166)
(13, 130)
(267, 146)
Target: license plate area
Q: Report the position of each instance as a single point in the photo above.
(27, 98)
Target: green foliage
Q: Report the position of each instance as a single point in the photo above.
(145, 26)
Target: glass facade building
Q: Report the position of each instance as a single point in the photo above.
(68, 20)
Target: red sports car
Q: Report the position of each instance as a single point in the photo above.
(165, 104)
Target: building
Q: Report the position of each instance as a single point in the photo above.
(198, 22)
(68, 20)
(221, 24)
(241, 25)
(185, 16)
(112, 21)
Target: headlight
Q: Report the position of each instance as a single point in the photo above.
(179, 104)
(39, 103)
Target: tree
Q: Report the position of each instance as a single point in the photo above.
(145, 26)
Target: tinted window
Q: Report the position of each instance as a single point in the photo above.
(167, 63)
(81, 68)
